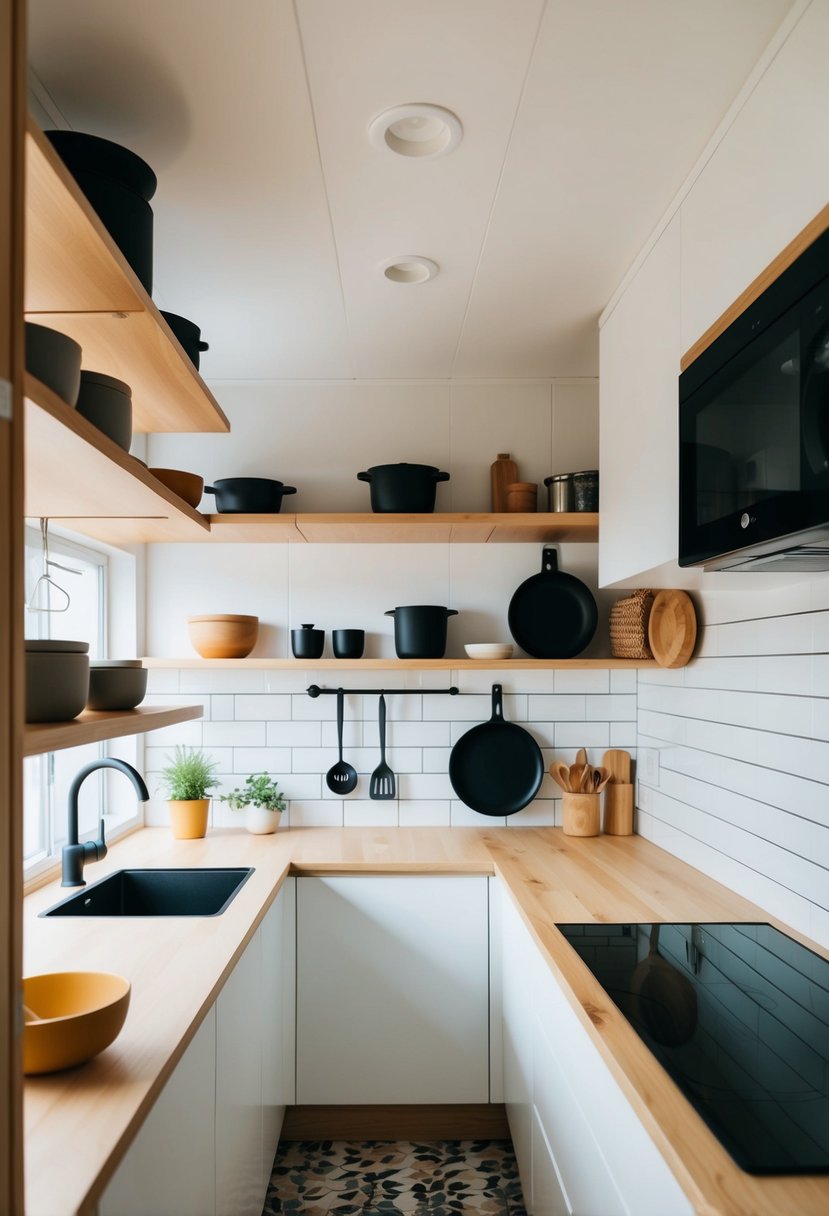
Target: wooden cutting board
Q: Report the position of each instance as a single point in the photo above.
(672, 628)
(617, 763)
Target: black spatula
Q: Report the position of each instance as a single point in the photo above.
(382, 785)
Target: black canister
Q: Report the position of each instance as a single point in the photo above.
(586, 490)
(348, 643)
(420, 630)
(307, 642)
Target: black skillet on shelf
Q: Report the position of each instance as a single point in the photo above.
(496, 767)
(552, 615)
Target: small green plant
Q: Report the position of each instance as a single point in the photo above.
(189, 775)
(259, 790)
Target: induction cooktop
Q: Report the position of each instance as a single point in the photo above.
(738, 1015)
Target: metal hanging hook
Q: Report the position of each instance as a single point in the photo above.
(46, 581)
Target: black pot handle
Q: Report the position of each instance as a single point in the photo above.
(549, 561)
(289, 489)
(390, 612)
(204, 346)
(364, 476)
(440, 477)
(210, 490)
(451, 612)
(497, 703)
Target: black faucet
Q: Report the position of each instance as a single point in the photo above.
(74, 854)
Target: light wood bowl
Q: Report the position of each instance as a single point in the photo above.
(188, 486)
(74, 1015)
(223, 636)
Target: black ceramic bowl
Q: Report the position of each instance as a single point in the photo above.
(348, 643)
(107, 403)
(116, 685)
(57, 680)
(54, 359)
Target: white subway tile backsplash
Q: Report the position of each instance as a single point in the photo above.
(162, 679)
(184, 734)
(618, 708)
(368, 813)
(262, 707)
(417, 734)
(221, 707)
(294, 734)
(582, 734)
(308, 814)
(461, 816)
(235, 734)
(436, 759)
(274, 760)
(424, 786)
(590, 680)
(557, 708)
(414, 813)
(222, 679)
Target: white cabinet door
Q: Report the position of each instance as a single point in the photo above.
(639, 352)
(169, 1167)
(278, 934)
(517, 983)
(239, 1170)
(392, 989)
(547, 1185)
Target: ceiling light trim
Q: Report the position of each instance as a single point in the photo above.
(409, 269)
(418, 131)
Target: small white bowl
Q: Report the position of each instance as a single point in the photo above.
(489, 650)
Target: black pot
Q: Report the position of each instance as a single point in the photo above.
(107, 403)
(420, 630)
(119, 185)
(249, 495)
(403, 488)
(307, 642)
(188, 335)
(54, 359)
(348, 643)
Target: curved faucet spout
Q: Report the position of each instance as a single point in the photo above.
(75, 854)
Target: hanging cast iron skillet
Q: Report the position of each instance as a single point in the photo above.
(496, 767)
(552, 615)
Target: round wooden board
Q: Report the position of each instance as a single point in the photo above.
(672, 628)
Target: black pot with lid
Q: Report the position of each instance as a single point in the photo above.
(307, 642)
(420, 630)
(407, 489)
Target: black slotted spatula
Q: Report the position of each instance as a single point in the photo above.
(383, 785)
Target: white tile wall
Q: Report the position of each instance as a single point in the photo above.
(742, 788)
(294, 737)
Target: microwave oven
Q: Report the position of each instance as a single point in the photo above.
(754, 431)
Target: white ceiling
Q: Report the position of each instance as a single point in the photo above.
(273, 212)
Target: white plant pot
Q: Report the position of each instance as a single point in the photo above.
(259, 821)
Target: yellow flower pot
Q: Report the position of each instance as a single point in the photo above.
(189, 819)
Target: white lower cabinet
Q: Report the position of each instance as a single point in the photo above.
(392, 989)
(577, 1139)
(169, 1167)
(207, 1146)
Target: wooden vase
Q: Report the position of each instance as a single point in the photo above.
(581, 814)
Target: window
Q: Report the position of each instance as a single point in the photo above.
(83, 575)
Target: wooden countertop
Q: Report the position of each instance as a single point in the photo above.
(84, 1121)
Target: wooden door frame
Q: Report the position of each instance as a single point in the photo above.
(12, 134)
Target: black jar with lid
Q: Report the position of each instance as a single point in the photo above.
(307, 642)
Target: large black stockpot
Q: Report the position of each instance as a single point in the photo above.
(403, 488)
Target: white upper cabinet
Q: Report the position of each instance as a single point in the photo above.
(639, 352)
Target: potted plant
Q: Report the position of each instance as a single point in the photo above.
(261, 801)
(188, 778)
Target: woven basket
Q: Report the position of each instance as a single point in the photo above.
(629, 626)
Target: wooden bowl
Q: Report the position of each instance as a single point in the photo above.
(223, 636)
(188, 486)
(74, 1015)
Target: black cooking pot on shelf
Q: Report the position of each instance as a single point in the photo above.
(119, 185)
(249, 495)
(403, 488)
(420, 630)
(188, 334)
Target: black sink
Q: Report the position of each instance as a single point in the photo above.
(156, 893)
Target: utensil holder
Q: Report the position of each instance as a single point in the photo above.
(618, 810)
(581, 814)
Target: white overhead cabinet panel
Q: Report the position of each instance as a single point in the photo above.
(392, 990)
(368, 56)
(213, 95)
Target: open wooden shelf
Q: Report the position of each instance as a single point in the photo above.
(96, 726)
(78, 281)
(445, 528)
(76, 474)
(331, 664)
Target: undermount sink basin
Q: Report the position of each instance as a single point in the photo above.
(70, 1017)
(205, 892)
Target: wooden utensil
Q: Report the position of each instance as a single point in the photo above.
(503, 472)
(617, 763)
(662, 998)
(577, 771)
(672, 628)
(618, 796)
(560, 773)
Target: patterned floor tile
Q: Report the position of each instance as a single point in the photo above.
(395, 1178)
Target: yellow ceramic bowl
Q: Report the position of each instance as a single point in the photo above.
(78, 1013)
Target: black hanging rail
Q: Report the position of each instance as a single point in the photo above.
(314, 690)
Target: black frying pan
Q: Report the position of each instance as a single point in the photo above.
(496, 767)
(552, 615)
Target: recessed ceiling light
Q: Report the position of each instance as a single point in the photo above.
(410, 269)
(419, 129)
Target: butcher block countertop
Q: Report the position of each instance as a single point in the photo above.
(79, 1124)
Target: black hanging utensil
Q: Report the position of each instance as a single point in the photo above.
(383, 785)
(341, 777)
(496, 768)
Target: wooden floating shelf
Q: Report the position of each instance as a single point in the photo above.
(96, 726)
(331, 664)
(444, 528)
(72, 469)
(78, 281)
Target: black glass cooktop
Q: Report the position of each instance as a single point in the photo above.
(738, 1015)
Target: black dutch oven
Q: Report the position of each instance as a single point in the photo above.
(249, 495)
(420, 630)
(188, 335)
(403, 488)
(119, 185)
